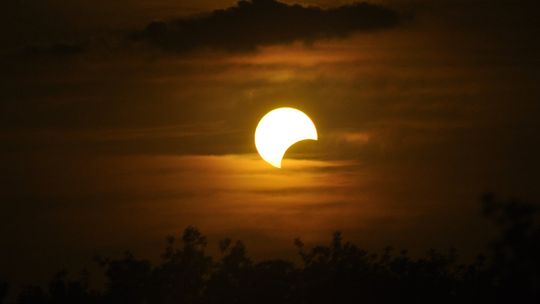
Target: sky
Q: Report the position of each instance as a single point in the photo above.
(124, 122)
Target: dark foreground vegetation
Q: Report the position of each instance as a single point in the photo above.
(336, 273)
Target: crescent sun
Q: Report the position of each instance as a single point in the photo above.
(278, 130)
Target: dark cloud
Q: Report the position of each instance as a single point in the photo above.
(29, 55)
(54, 50)
(253, 23)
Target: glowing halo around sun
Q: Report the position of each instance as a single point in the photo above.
(278, 130)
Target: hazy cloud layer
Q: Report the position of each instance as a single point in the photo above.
(250, 24)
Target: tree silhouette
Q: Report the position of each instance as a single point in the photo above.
(128, 279)
(337, 272)
(3, 291)
(32, 295)
(515, 262)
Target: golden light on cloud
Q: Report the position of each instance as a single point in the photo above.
(278, 130)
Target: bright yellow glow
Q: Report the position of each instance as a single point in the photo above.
(278, 130)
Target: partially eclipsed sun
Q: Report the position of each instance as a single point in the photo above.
(278, 130)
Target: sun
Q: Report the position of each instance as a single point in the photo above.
(278, 130)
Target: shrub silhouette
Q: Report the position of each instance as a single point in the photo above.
(515, 255)
(3, 291)
(339, 272)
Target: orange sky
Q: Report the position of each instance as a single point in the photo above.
(118, 147)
